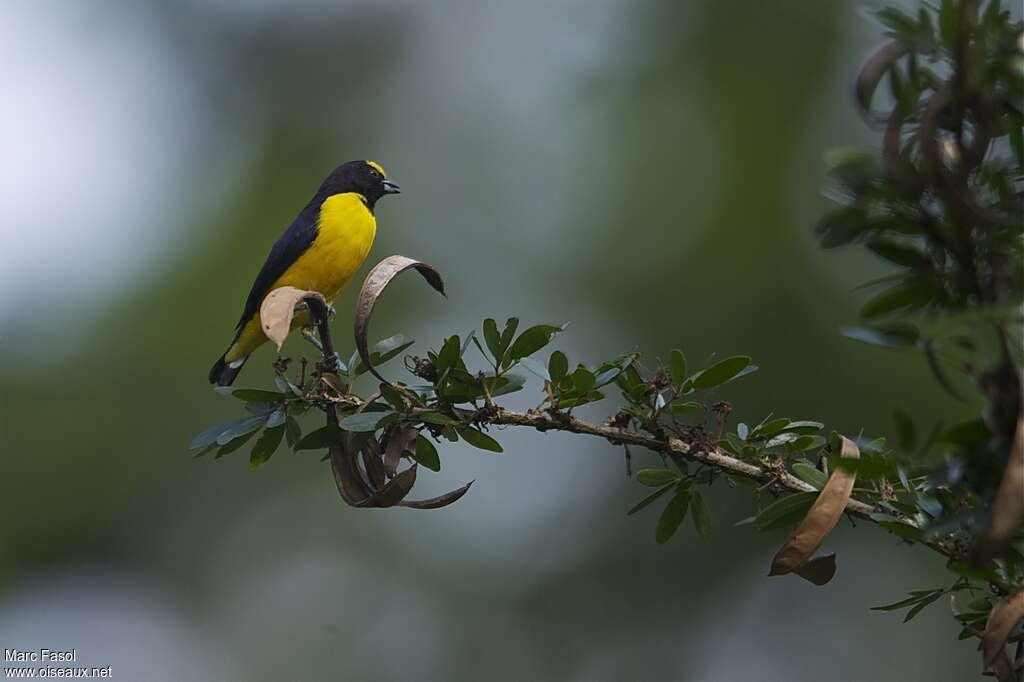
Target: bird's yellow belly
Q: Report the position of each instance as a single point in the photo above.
(347, 229)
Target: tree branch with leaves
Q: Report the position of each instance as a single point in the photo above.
(942, 200)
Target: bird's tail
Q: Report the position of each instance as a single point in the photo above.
(223, 373)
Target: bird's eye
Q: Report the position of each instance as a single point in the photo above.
(374, 173)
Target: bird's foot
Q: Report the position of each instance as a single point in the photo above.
(334, 365)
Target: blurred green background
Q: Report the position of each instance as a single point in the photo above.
(649, 171)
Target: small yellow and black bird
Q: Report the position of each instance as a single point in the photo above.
(321, 250)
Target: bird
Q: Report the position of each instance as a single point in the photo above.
(320, 251)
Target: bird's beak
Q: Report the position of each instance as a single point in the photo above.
(390, 187)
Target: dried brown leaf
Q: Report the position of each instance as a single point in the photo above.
(353, 488)
(439, 501)
(373, 286)
(819, 521)
(278, 310)
(871, 73)
(400, 441)
(374, 465)
(1008, 508)
(1003, 617)
(818, 570)
(395, 490)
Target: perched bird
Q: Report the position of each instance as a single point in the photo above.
(320, 251)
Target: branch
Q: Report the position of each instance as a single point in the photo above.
(678, 449)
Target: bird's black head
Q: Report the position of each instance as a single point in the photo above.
(365, 177)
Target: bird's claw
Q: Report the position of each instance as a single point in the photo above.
(334, 365)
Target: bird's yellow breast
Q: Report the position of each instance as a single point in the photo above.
(346, 232)
(345, 235)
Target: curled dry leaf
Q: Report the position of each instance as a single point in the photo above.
(373, 465)
(818, 570)
(812, 530)
(373, 286)
(380, 487)
(870, 74)
(353, 488)
(278, 310)
(400, 441)
(439, 501)
(1002, 619)
(1008, 508)
(356, 490)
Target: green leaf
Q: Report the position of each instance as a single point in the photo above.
(286, 386)
(905, 433)
(253, 395)
(583, 379)
(900, 254)
(266, 446)
(897, 525)
(677, 364)
(449, 354)
(532, 340)
(536, 367)
(648, 500)
(383, 351)
(493, 339)
(479, 439)
(426, 453)
(781, 439)
(803, 427)
(967, 434)
(261, 408)
(276, 418)
(606, 377)
(903, 603)
(769, 428)
(948, 22)
(701, 515)
(364, 421)
(804, 443)
(672, 516)
(921, 604)
(808, 474)
(510, 330)
(209, 436)
(323, 437)
(235, 444)
(721, 372)
(841, 226)
(910, 294)
(785, 511)
(206, 450)
(292, 431)
(558, 366)
(392, 396)
(437, 418)
(894, 336)
(506, 383)
(241, 427)
(685, 408)
(656, 477)
(897, 20)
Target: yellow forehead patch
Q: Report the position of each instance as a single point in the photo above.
(378, 167)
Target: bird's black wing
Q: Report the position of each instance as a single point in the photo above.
(286, 250)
